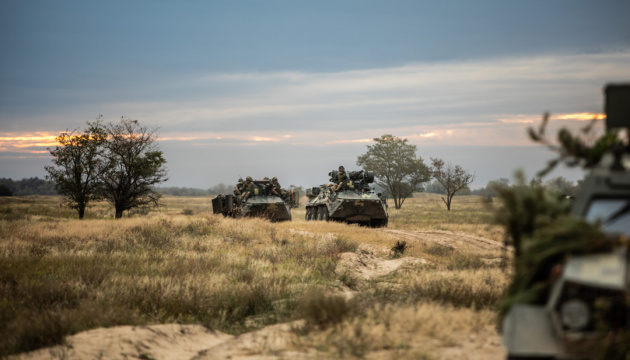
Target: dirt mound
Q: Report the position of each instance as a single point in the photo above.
(168, 341)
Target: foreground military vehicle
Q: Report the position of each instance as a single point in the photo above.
(587, 307)
(258, 204)
(354, 202)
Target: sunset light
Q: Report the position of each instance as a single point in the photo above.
(27, 143)
(580, 116)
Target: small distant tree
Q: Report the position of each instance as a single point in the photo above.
(452, 178)
(535, 182)
(493, 186)
(435, 188)
(133, 166)
(5, 191)
(395, 164)
(221, 189)
(76, 163)
(562, 185)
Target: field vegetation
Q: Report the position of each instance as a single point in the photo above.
(181, 264)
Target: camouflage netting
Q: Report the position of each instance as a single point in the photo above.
(543, 234)
(539, 226)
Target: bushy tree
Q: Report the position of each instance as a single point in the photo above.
(490, 189)
(76, 164)
(396, 167)
(117, 162)
(452, 178)
(563, 186)
(133, 166)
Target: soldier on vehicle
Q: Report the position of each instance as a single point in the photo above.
(247, 188)
(266, 187)
(341, 177)
(276, 189)
(238, 189)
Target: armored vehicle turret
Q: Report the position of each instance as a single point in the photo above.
(351, 200)
(586, 311)
(260, 202)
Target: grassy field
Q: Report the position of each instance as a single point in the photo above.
(180, 264)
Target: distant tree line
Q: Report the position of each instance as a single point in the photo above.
(558, 184)
(181, 191)
(220, 189)
(26, 186)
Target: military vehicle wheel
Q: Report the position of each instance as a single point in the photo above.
(322, 213)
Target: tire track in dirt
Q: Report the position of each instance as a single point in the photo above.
(446, 238)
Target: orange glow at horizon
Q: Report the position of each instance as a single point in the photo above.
(580, 116)
(21, 143)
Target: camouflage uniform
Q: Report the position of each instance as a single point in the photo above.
(275, 187)
(238, 189)
(248, 187)
(266, 188)
(341, 177)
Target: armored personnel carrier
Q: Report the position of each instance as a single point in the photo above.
(585, 313)
(259, 204)
(354, 202)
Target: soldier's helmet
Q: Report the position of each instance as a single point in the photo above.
(266, 178)
(341, 168)
(249, 178)
(274, 179)
(240, 181)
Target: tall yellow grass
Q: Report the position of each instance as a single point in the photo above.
(59, 275)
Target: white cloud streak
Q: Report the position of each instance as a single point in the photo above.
(483, 102)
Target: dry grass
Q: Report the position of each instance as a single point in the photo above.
(179, 263)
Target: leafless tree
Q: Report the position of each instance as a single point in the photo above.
(452, 178)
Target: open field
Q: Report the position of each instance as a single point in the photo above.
(247, 288)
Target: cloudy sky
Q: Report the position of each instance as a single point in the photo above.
(296, 88)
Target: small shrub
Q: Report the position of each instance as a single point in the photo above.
(439, 250)
(341, 245)
(466, 262)
(322, 311)
(187, 212)
(348, 280)
(398, 249)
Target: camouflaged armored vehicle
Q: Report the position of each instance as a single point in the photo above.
(586, 312)
(354, 202)
(259, 204)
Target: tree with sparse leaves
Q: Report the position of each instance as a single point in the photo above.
(77, 161)
(397, 167)
(452, 178)
(133, 166)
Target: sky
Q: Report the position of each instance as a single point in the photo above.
(294, 89)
